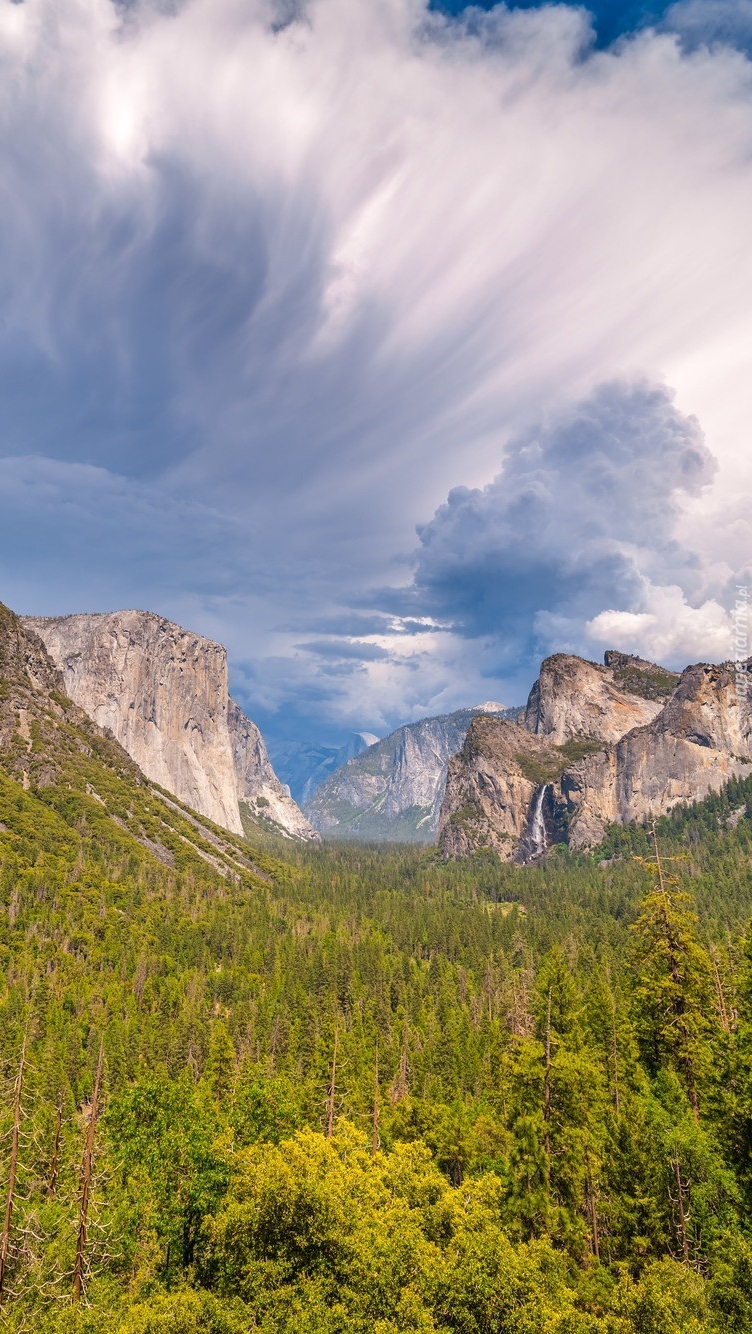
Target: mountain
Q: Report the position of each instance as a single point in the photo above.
(599, 745)
(393, 791)
(65, 781)
(162, 692)
(304, 766)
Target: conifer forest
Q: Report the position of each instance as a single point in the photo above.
(355, 1088)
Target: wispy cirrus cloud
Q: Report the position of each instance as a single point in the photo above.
(283, 276)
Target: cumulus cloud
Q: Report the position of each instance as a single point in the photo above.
(711, 22)
(671, 631)
(296, 269)
(574, 542)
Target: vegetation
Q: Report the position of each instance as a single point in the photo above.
(650, 682)
(352, 1088)
(540, 769)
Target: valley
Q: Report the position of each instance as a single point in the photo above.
(290, 1084)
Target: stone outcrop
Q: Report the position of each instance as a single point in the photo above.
(162, 692)
(394, 790)
(700, 739)
(695, 734)
(573, 697)
(490, 791)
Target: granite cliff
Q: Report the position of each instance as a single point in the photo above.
(162, 692)
(80, 784)
(394, 789)
(260, 794)
(573, 697)
(624, 741)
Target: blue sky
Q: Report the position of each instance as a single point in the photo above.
(392, 347)
(611, 18)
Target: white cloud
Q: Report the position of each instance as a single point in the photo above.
(669, 630)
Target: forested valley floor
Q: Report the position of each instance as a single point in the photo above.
(361, 1089)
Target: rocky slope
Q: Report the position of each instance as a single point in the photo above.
(261, 796)
(162, 692)
(393, 791)
(504, 792)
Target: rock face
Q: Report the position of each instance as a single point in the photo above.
(162, 692)
(601, 766)
(256, 785)
(491, 788)
(700, 739)
(573, 697)
(393, 791)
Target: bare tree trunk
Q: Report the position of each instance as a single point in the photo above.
(55, 1164)
(87, 1164)
(331, 1099)
(547, 1082)
(375, 1122)
(592, 1209)
(720, 998)
(658, 858)
(682, 1213)
(13, 1172)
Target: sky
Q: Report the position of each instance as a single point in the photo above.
(393, 345)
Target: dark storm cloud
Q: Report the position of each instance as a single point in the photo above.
(579, 518)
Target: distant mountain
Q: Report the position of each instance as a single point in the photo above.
(393, 790)
(162, 693)
(304, 766)
(599, 745)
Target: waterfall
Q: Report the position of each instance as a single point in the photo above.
(538, 842)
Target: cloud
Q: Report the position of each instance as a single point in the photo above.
(671, 631)
(281, 275)
(580, 518)
(711, 22)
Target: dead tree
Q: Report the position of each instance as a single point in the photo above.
(592, 1210)
(375, 1141)
(331, 1101)
(681, 1201)
(13, 1171)
(55, 1164)
(87, 1166)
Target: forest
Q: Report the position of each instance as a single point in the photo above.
(357, 1088)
